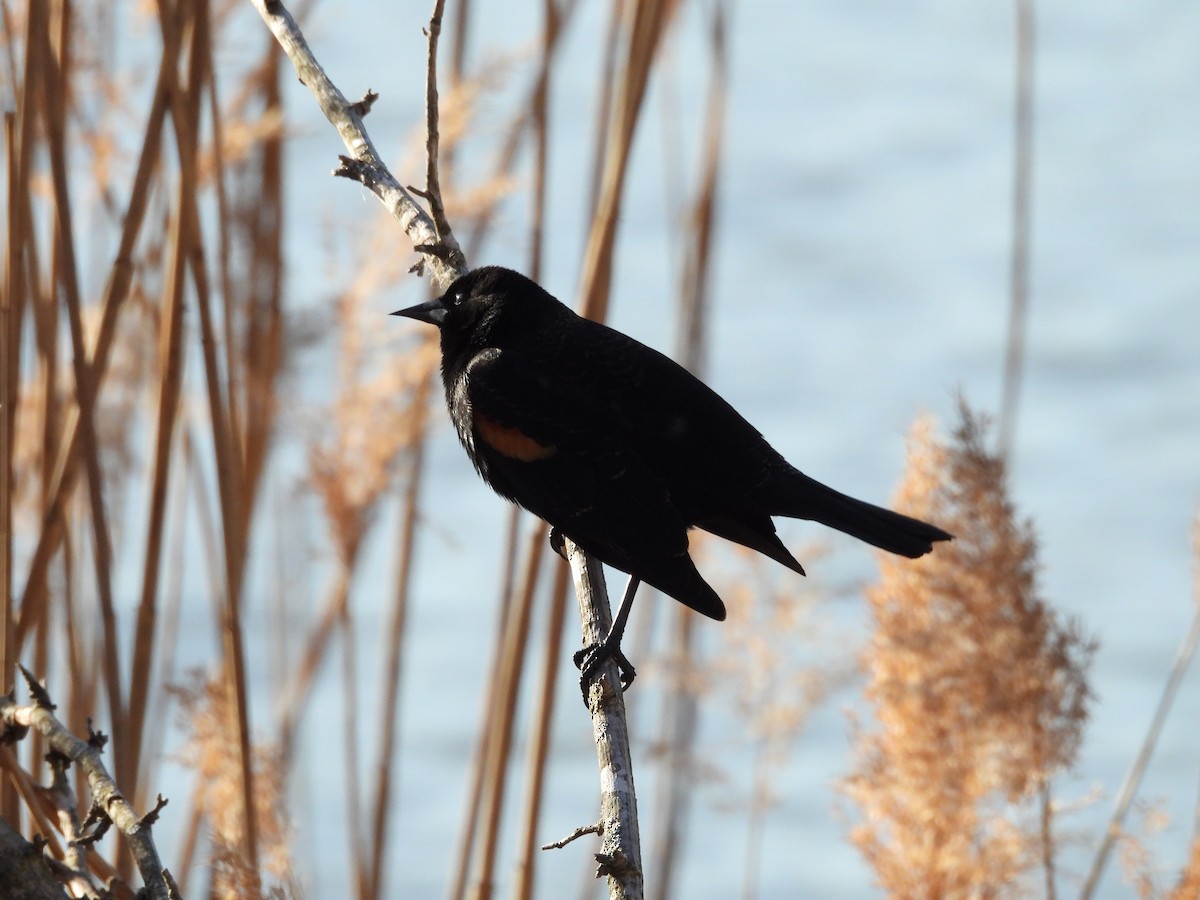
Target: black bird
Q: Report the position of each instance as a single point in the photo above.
(620, 448)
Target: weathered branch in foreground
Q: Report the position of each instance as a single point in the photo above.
(438, 245)
(107, 800)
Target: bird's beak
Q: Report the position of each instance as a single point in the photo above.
(431, 311)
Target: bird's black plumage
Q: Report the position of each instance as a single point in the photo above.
(619, 447)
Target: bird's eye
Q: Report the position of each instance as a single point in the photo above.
(459, 298)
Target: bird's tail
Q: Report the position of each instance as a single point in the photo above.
(879, 527)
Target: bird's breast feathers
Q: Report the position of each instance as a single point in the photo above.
(480, 428)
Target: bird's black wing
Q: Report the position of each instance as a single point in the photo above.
(715, 465)
(552, 446)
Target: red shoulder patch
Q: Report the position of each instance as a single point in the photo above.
(510, 442)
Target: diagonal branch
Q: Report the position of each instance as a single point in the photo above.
(107, 797)
(437, 244)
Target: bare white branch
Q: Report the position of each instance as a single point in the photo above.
(105, 794)
(440, 249)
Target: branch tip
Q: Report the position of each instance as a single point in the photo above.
(96, 739)
(575, 835)
(152, 816)
(41, 697)
(363, 106)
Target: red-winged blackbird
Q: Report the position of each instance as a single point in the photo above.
(617, 446)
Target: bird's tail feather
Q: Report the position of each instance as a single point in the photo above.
(875, 525)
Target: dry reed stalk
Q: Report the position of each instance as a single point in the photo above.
(170, 387)
(515, 638)
(680, 716)
(1115, 832)
(165, 672)
(618, 13)
(398, 619)
(10, 340)
(485, 806)
(54, 76)
(525, 121)
(1014, 357)
(979, 690)
(643, 26)
(539, 115)
(296, 692)
(678, 728)
(701, 219)
(468, 845)
(542, 720)
(352, 782)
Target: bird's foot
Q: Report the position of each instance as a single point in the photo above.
(591, 658)
(558, 543)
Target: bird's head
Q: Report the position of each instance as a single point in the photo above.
(485, 308)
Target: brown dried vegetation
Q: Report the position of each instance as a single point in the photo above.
(979, 691)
